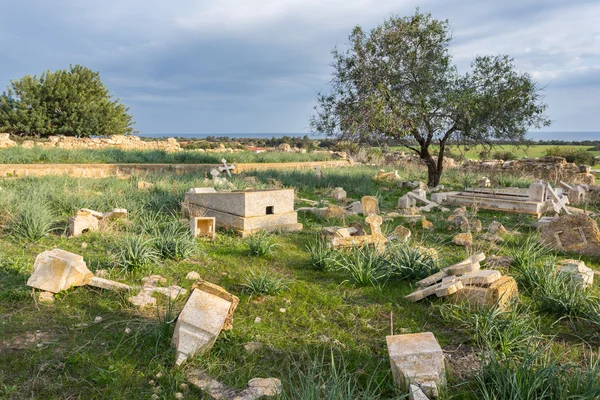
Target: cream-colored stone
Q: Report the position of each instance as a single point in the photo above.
(56, 270)
(417, 359)
(46, 297)
(496, 228)
(257, 387)
(108, 284)
(426, 224)
(338, 193)
(481, 278)
(446, 289)
(203, 227)
(463, 239)
(199, 324)
(578, 272)
(81, 224)
(192, 276)
(143, 299)
(218, 291)
(370, 205)
(500, 293)
(401, 233)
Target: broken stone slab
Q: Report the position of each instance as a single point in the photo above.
(192, 276)
(448, 288)
(202, 190)
(346, 232)
(496, 228)
(142, 299)
(338, 193)
(484, 277)
(218, 291)
(469, 265)
(401, 234)
(199, 324)
(355, 207)
(370, 205)
(578, 272)
(501, 292)
(463, 239)
(172, 291)
(46, 297)
(415, 393)
(107, 284)
(257, 387)
(57, 270)
(418, 359)
(81, 223)
(543, 222)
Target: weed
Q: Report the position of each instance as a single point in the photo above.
(411, 262)
(136, 252)
(33, 221)
(365, 266)
(264, 283)
(320, 254)
(175, 242)
(261, 244)
(527, 253)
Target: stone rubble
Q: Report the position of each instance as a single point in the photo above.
(578, 272)
(257, 387)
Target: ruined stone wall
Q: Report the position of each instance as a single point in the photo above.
(402, 159)
(114, 141)
(552, 169)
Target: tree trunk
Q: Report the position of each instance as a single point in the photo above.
(434, 172)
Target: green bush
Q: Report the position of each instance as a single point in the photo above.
(504, 155)
(175, 241)
(571, 154)
(264, 283)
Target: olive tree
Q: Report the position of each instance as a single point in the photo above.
(67, 102)
(399, 82)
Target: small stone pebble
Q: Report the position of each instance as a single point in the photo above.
(179, 395)
(159, 375)
(127, 331)
(282, 310)
(84, 245)
(183, 386)
(257, 320)
(192, 276)
(98, 319)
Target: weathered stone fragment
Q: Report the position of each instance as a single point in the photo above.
(577, 272)
(46, 297)
(108, 284)
(484, 277)
(578, 233)
(192, 276)
(257, 387)
(496, 228)
(426, 224)
(218, 291)
(370, 205)
(416, 359)
(501, 292)
(401, 234)
(463, 239)
(200, 322)
(338, 193)
(448, 288)
(56, 270)
(83, 222)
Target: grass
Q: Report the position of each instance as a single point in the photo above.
(366, 266)
(330, 342)
(264, 283)
(39, 155)
(261, 244)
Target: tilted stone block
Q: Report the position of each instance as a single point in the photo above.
(56, 270)
(481, 278)
(501, 292)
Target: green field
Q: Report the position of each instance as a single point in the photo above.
(330, 341)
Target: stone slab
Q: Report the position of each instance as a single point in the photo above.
(501, 292)
(57, 270)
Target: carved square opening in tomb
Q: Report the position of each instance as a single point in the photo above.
(204, 227)
(270, 210)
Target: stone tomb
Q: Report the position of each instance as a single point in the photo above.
(417, 359)
(578, 233)
(247, 211)
(83, 222)
(528, 201)
(203, 227)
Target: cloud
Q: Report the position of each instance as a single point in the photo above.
(255, 66)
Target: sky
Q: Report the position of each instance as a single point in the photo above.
(249, 66)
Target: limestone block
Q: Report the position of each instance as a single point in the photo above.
(143, 299)
(46, 297)
(496, 228)
(501, 292)
(481, 278)
(406, 201)
(401, 233)
(426, 224)
(218, 291)
(199, 324)
(415, 393)
(331, 211)
(117, 213)
(485, 182)
(432, 279)
(346, 232)
(257, 387)
(446, 289)
(338, 193)
(108, 284)
(192, 276)
(355, 207)
(56, 270)
(172, 291)
(578, 272)
(416, 359)
(202, 190)
(466, 266)
(203, 227)
(81, 224)
(463, 239)
(370, 205)
(537, 191)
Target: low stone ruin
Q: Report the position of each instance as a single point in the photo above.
(57, 270)
(418, 197)
(203, 227)
(208, 311)
(150, 285)
(417, 363)
(257, 387)
(578, 233)
(466, 281)
(338, 193)
(129, 142)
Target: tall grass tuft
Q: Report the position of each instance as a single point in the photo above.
(528, 252)
(537, 377)
(175, 241)
(411, 262)
(321, 256)
(261, 244)
(264, 283)
(135, 252)
(365, 266)
(32, 222)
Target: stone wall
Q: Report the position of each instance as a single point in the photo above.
(114, 141)
(552, 169)
(400, 158)
(5, 141)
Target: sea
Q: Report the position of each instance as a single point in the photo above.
(566, 136)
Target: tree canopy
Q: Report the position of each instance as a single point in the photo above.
(398, 82)
(71, 102)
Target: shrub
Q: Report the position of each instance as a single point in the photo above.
(320, 254)
(175, 241)
(511, 180)
(411, 262)
(537, 377)
(136, 252)
(261, 244)
(572, 154)
(33, 221)
(264, 283)
(504, 155)
(365, 266)
(527, 253)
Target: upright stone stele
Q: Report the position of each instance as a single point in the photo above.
(417, 359)
(370, 205)
(57, 270)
